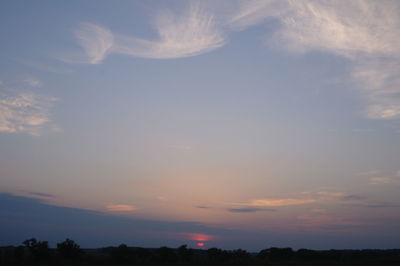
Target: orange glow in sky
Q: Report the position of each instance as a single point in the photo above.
(200, 244)
(199, 237)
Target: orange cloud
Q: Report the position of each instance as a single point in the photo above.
(279, 202)
(120, 207)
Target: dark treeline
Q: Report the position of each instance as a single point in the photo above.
(34, 252)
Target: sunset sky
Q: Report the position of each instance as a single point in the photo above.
(233, 123)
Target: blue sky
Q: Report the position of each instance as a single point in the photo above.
(274, 116)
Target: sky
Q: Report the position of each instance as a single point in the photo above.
(234, 123)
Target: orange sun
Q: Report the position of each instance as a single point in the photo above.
(200, 244)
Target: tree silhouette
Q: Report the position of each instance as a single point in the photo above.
(69, 249)
(122, 254)
(38, 249)
(185, 253)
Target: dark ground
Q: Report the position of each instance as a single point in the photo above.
(35, 252)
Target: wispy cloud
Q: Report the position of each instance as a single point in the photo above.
(95, 40)
(329, 195)
(189, 33)
(248, 210)
(366, 32)
(180, 34)
(277, 202)
(356, 28)
(253, 12)
(379, 180)
(40, 194)
(33, 81)
(120, 208)
(379, 82)
(26, 112)
(363, 31)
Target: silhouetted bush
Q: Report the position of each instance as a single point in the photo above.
(165, 255)
(68, 249)
(122, 254)
(281, 253)
(38, 249)
(306, 254)
(216, 254)
(185, 254)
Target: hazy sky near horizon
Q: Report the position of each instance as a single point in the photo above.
(236, 115)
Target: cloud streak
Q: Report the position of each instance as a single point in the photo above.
(252, 12)
(277, 202)
(380, 180)
(247, 210)
(120, 208)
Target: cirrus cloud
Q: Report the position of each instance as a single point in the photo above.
(365, 32)
(191, 32)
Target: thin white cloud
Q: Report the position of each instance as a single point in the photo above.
(192, 32)
(379, 82)
(95, 40)
(26, 112)
(253, 12)
(33, 81)
(180, 34)
(366, 32)
(360, 27)
(120, 208)
(363, 31)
